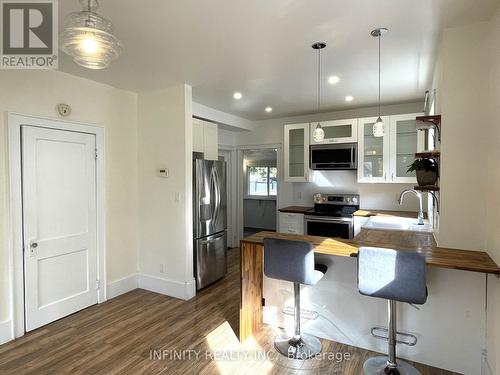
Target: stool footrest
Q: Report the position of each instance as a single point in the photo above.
(382, 333)
(304, 314)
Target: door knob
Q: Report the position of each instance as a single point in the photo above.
(33, 246)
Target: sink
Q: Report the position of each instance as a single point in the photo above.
(397, 223)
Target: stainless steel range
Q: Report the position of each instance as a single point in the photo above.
(332, 215)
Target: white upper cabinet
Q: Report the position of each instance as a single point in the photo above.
(205, 139)
(296, 153)
(338, 131)
(386, 159)
(211, 141)
(373, 152)
(198, 134)
(405, 142)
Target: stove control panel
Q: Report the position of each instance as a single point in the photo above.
(339, 199)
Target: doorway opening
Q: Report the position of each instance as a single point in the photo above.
(260, 190)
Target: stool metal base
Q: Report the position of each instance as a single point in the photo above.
(305, 347)
(380, 366)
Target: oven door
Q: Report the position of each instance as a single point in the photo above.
(329, 227)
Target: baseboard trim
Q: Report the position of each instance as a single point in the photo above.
(122, 286)
(172, 288)
(6, 331)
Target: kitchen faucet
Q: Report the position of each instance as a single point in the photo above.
(419, 196)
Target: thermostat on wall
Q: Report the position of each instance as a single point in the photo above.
(162, 172)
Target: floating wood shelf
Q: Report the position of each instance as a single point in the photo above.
(435, 119)
(427, 188)
(426, 122)
(428, 154)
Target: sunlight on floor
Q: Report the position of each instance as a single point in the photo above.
(234, 357)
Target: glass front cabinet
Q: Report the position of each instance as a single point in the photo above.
(373, 152)
(296, 153)
(386, 159)
(337, 131)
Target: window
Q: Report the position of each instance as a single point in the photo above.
(262, 181)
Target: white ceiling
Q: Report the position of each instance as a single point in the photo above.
(262, 48)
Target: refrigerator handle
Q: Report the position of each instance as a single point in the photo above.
(217, 194)
(213, 183)
(212, 239)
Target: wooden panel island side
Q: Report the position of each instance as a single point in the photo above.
(252, 256)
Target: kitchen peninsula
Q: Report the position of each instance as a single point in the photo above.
(252, 262)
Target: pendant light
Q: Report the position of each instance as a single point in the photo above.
(319, 133)
(88, 37)
(378, 127)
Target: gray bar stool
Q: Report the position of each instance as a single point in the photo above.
(293, 261)
(395, 276)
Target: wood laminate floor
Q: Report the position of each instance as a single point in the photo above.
(147, 333)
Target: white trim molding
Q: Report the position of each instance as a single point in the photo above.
(15, 121)
(172, 288)
(121, 286)
(6, 331)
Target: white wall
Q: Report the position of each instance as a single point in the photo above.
(468, 80)
(37, 93)
(463, 95)
(373, 196)
(493, 195)
(166, 239)
(224, 119)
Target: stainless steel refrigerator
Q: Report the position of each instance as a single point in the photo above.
(210, 222)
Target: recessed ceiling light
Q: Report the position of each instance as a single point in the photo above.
(269, 109)
(349, 98)
(332, 80)
(237, 95)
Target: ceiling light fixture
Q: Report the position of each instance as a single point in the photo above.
(333, 80)
(88, 37)
(349, 98)
(319, 133)
(378, 127)
(269, 109)
(237, 95)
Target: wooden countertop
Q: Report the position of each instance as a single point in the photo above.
(363, 213)
(295, 209)
(466, 260)
(368, 213)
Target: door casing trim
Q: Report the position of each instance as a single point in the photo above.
(14, 218)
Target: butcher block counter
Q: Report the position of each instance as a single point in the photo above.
(295, 209)
(252, 261)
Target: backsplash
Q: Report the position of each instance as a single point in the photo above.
(372, 196)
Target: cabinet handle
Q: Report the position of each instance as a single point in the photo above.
(392, 176)
(385, 176)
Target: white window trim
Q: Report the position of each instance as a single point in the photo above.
(259, 197)
(14, 230)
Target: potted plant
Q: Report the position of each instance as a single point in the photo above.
(426, 170)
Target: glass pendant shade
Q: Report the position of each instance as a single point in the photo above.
(318, 133)
(378, 128)
(89, 39)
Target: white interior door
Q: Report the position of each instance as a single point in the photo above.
(59, 218)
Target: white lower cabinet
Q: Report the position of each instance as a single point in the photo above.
(291, 223)
(359, 221)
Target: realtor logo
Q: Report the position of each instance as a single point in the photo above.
(28, 34)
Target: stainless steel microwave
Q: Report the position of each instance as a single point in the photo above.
(339, 156)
